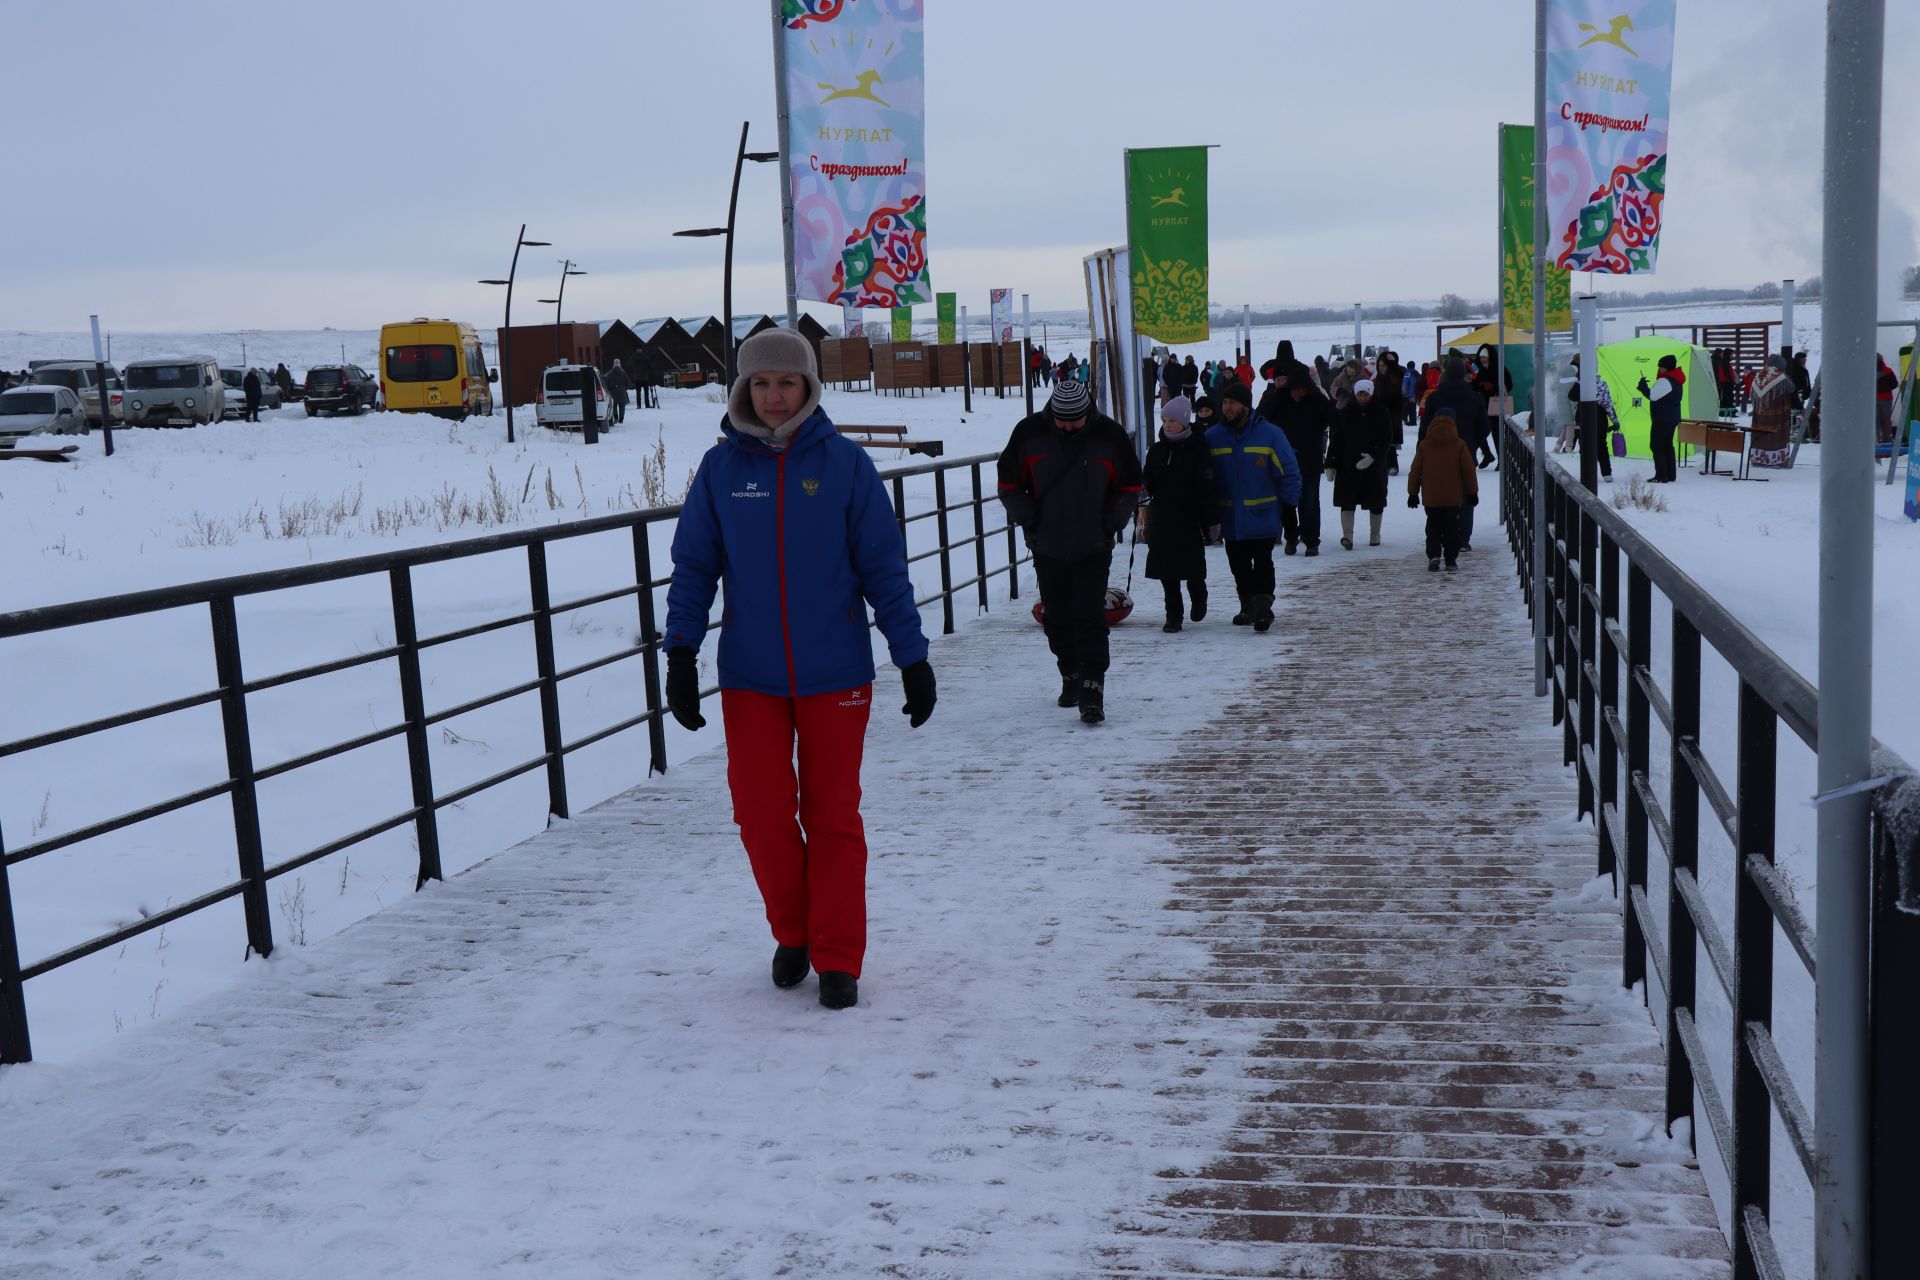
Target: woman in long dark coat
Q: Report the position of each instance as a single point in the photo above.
(1181, 507)
(1360, 453)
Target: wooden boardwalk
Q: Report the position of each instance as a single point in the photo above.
(1375, 843)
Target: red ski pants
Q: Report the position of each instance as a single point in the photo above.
(812, 872)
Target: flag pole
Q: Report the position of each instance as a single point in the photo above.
(781, 112)
(1500, 301)
(1535, 416)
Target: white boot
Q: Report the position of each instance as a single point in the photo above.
(1373, 527)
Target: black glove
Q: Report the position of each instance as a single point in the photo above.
(917, 680)
(1643, 388)
(1413, 501)
(683, 689)
(1473, 499)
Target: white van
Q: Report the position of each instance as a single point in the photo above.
(559, 401)
(174, 391)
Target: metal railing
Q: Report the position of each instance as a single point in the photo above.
(232, 689)
(1606, 700)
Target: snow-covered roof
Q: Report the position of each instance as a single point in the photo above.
(693, 324)
(648, 330)
(744, 325)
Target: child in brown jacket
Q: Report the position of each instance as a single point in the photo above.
(1443, 471)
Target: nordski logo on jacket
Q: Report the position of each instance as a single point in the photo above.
(753, 490)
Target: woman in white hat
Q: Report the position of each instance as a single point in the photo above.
(794, 519)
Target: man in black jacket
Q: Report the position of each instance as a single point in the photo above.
(1456, 398)
(1663, 397)
(1294, 404)
(254, 392)
(1069, 477)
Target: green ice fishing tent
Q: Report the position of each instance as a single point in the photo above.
(1518, 357)
(1623, 364)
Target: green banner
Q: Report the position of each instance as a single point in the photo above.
(948, 305)
(903, 324)
(1167, 240)
(1516, 239)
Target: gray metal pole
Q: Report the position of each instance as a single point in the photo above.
(1500, 302)
(1356, 331)
(1849, 266)
(1246, 328)
(1540, 391)
(781, 113)
(1026, 350)
(1593, 432)
(1786, 318)
(106, 392)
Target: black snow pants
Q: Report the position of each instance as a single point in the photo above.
(1252, 565)
(1073, 598)
(1443, 533)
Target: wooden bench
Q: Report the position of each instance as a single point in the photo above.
(1713, 436)
(890, 437)
(62, 454)
(887, 437)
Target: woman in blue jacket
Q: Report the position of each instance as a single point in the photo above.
(795, 521)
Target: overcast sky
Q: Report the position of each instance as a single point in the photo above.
(197, 164)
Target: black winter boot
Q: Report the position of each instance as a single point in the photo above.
(1093, 707)
(1198, 590)
(1172, 623)
(789, 966)
(1262, 612)
(1244, 618)
(839, 990)
(1069, 692)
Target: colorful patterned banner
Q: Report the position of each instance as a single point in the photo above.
(856, 142)
(903, 324)
(1167, 236)
(1609, 78)
(1516, 239)
(851, 325)
(1000, 311)
(948, 310)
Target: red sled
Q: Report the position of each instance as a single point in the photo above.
(1119, 607)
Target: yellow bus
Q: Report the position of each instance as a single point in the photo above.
(434, 366)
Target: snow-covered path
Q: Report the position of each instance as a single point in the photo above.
(568, 1062)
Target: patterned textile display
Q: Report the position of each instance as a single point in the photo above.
(1516, 239)
(1167, 236)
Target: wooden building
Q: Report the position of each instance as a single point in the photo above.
(618, 341)
(530, 348)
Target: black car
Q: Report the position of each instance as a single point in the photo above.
(340, 388)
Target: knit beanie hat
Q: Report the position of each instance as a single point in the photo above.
(1179, 409)
(772, 351)
(1070, 400)
(1238, 390)
(1364, 387)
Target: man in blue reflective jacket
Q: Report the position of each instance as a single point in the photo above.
(1254, 472)
(794, 519)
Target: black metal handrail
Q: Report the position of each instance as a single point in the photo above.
(1606, 700)
(242, 773)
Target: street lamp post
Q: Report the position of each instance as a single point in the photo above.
(741, 156)
(506, 331)
(559, 344)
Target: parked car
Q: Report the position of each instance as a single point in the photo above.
(340, 388)
(558, 403)
(175, 391)
(77, 376)
(40, 410)
(236, 380)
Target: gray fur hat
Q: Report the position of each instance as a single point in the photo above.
(772, 351)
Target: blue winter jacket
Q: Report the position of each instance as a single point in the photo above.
(1254, 472)
(804, 539)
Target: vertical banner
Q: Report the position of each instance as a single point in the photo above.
(903, 324)
(1000, 310)
(850, 323)
(1516, 239)
(1609, 78)
(856, 139)
(1167, 242)
(947, 308)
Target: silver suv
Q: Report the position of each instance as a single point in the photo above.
(177, 391)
